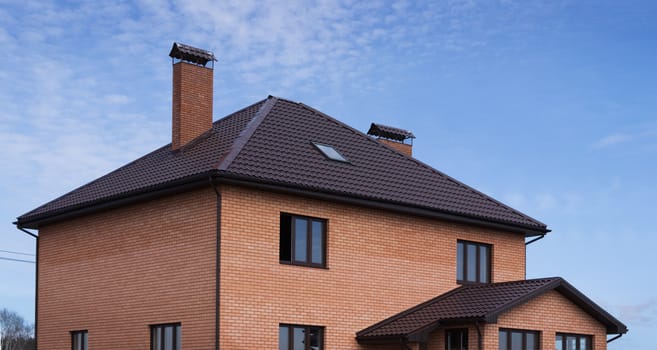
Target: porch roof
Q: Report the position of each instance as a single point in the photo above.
(478, 303)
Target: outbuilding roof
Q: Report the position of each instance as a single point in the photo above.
(479, 303)
(272, 143)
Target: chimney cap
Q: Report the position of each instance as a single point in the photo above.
(390, 132)
(191, 54)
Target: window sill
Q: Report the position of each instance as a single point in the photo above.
(291, 263)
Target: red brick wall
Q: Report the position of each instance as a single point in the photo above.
(378, 263)
(116, 272)
(401, 147)
(192, 102)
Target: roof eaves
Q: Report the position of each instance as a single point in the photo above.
(255, 182)
(115, 201)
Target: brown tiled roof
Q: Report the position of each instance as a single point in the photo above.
(479, 303)
(271, 142)
(159, 167)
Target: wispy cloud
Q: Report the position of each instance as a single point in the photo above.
(640, 314)
(612, 140)
(640, 136)
(82, 68)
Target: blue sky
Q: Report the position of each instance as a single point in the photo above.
(548, 106)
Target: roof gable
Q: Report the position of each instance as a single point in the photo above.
(480, 303)
(272, 142)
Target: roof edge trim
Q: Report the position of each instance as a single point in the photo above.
(126, 198)
(222, 176)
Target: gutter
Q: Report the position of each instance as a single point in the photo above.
(221, 177)
(127, 198)
(255, 183)
(36, 284)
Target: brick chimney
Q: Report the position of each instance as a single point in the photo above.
(399, 139)
(192, 93)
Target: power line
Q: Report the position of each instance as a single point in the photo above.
(18, 253)
(18, 260)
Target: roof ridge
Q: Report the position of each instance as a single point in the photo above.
(426, 166)
(245, 135)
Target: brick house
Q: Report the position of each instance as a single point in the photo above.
(278, 225)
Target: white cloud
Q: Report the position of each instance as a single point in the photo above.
(612, 140)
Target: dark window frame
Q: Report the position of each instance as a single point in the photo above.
(307, 328)
(524, 332)
(456, 330)
(177, 327)
(464, 262)
(83, 340)
(309, 241)
(578, 346)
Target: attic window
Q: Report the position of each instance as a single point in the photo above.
(330, 152)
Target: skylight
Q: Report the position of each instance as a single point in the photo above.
(330, 152)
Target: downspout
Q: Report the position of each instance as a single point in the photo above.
(614, 338)
(479, 340)
(36, 283)
(535, 239)
(217, 265)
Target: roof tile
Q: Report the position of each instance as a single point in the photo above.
(272, 141)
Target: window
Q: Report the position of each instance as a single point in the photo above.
(79, 340)
(165, 336)
(294, 337)
(330, 152)
(573, 342)
(456, 339)
(514, 339)
(472, 262)
(303, 240)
